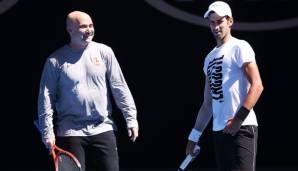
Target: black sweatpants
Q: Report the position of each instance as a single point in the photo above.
(101, 149)
(236, 153)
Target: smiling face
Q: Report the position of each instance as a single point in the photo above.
(80, 28)
(220, 27)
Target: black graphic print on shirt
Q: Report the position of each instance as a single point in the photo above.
(214, 73)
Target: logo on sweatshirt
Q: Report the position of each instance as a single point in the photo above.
(95, 60)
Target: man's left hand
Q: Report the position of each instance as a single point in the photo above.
(133, 133)
(233, 126)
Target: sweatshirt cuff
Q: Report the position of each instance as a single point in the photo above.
(132, 124)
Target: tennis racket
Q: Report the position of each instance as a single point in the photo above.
(64, 160)
(189, 158)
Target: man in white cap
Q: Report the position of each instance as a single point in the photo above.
(232, 88)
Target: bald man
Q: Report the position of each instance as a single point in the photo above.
(74, 86)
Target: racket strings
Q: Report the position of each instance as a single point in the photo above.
(66, 163)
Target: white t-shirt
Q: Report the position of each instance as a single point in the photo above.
(228, 83)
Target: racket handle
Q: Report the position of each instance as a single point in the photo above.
(186, 161)
(189, 158)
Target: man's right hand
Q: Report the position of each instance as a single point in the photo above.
(49, 143)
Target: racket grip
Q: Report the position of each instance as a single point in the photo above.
(185, 162)
(189, 158)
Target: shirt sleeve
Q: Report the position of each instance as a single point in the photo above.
(46, 98)
(245, 53)
(120, 90)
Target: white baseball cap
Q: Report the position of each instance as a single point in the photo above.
(219, 7)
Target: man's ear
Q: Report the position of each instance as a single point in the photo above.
(231, 21)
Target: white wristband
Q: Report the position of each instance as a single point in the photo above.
(194, 135)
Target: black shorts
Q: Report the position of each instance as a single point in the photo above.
(236, 153)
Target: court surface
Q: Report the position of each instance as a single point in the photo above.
(190, 169)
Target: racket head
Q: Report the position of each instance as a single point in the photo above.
(64, 160)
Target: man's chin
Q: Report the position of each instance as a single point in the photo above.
(217, 36)
(88, 40)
